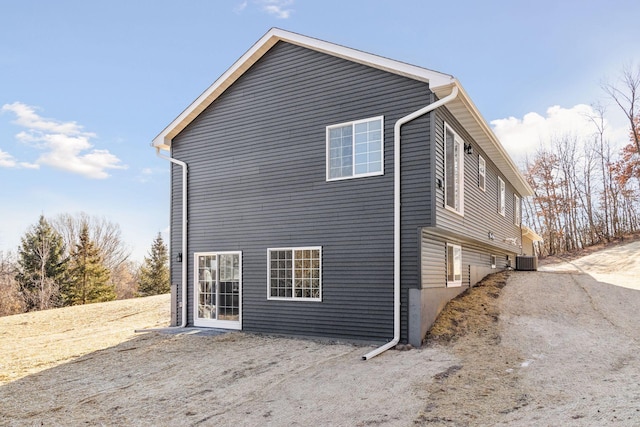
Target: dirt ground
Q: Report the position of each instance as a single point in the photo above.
(547, 348)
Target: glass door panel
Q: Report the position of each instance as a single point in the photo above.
(218, 290)
(229, 287)
(207, 273)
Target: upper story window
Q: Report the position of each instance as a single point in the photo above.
(482, 173)
(355, 149)
(294, 273)
(517, 213)
(501, 197)
(453, 171)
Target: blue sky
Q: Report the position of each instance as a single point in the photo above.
(86, 85)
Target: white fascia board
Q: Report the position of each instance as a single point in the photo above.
(163, 140)
(527, 232)
(375, 61)
(471, 118)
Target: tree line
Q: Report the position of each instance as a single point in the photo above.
(586, 192)
(72, 260)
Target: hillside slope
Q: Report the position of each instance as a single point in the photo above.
(32, 342)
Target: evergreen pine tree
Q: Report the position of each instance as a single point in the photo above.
(154, 273)
(88, 277)
(41, 265)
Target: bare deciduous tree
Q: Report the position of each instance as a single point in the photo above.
(627, 96)
(105, 234)
(10, 300)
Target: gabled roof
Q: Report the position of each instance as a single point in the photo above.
(441, 84)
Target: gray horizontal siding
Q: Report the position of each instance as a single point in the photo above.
(175, 238)
(433, 269)
(480, 207)
(257, 180)
(433, 256)
(415, 201)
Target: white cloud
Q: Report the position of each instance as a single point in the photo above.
(522, 137)
(66, 145)
(145, 175)
(27, 165)
(241, 7)
(277, 8)
(7, 160)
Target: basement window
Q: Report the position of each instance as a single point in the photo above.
(454, 265)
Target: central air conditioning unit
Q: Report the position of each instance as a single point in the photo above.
(527, 263)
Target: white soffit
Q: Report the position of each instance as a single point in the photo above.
(465, 111)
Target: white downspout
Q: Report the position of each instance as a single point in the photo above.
(396, 218)
(184, 233)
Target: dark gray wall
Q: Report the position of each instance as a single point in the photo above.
(470, 231)
(416, 190)
(480, 207)
(257, 179)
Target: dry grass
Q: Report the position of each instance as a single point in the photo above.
(32, 342)
(474, 311)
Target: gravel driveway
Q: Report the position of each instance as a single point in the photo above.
(563, 349)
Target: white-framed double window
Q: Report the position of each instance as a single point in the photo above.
(454, 265)
(517, 213)
(502, 197)
(482, 173)
(355, 149)
(294, 273)
(453, 171)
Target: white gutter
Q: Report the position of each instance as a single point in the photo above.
(184, 233)
(396, 218)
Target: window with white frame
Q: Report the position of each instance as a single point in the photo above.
(482, 173)
(355, 149)
(294, 273)
(517, 213)
(453, 169)
(454, 265)
(493, 261)
(501, 197)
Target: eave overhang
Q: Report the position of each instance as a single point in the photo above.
(530, 234)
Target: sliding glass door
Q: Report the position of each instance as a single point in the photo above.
(218, 289)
